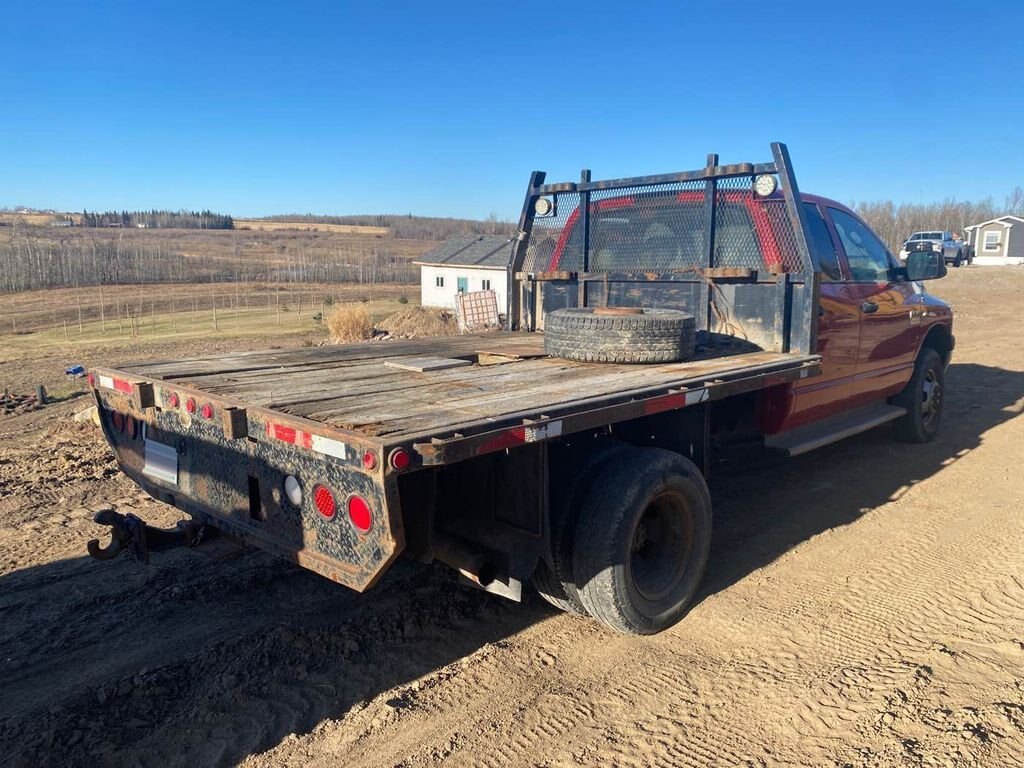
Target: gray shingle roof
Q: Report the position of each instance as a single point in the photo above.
(470, 251)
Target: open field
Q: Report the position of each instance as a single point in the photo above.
(267, 225)
(864, 606)
(35, 257)
(86, 315)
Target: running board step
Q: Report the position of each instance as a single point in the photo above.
(807, 438)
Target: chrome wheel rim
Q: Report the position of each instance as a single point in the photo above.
(931, 397)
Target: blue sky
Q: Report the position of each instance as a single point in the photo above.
(444, 108)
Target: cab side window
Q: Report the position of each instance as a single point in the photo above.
(821, 244)
(867, 257)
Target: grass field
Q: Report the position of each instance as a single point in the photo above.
(266, 225)
(35, 318)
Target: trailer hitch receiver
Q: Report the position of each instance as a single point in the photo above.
(132, 533)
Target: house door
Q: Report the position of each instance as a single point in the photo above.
(462, 284)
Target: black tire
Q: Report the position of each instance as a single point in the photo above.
(642, 541)
(555, 582)
(553, 590)
(655, 336)
(923, 397)
(958, 260)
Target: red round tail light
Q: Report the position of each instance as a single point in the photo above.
(324, 501)
(173, 400)
(400, 458)
(370, 460)
(190, 405)
(131, 427)
(207, 411)
(117, 421)
(359, 513)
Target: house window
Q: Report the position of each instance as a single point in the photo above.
(439, 281)
(485, 285)
(991, 241)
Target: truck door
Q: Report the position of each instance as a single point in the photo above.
(838, 331)
(888, 337)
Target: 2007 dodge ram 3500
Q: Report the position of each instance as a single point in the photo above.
(652, 320)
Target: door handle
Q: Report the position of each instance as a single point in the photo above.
(868, 307)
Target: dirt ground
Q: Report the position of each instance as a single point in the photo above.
(864, 606)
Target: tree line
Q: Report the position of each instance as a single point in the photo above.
(409, 227)
(33, 257)
(895, 222)
(159, 219)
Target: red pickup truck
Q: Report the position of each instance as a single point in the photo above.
(652, 321)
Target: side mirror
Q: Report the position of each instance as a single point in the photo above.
(925, 265)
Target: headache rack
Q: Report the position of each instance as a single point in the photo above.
(726, 243)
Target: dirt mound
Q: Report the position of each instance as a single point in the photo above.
(418, 322)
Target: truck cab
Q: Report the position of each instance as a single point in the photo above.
(872, 319)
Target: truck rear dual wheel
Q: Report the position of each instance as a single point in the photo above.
(555, 581)
(619, 335)
(642, 541)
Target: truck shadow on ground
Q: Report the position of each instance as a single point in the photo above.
(764, 510)
(192, 662)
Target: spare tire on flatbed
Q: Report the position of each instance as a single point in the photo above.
(619, 335)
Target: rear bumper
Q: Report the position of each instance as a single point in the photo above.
(237, 485)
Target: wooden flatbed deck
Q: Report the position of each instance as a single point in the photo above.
(353, 388)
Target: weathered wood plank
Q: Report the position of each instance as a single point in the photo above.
(424, 427)
(425, 364)
(523, 387)
(268, 359)
(351, 386)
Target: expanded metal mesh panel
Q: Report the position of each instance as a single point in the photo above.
(785, 237)
(742, 233)
(663, 228)
(647, 229)
(556, 242)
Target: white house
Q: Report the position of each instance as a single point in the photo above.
(998, 241)
(463, 264)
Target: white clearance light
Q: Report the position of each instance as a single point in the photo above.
(764, 185)
(543, 206)
(293, 490)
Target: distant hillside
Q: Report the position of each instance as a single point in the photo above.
(407, 227)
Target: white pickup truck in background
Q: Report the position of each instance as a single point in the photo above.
(954, 250)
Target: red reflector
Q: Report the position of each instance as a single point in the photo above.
(207, 411)
(123, 386)
(359, 513)
(173, 400)
(190, 405)
(400, 458)
(324, 501)
(92, 379)
(370, 460)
